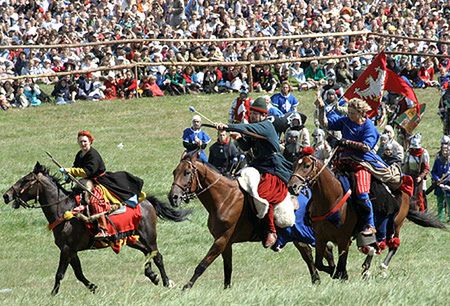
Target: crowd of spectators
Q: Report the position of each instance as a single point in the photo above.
(48, 22)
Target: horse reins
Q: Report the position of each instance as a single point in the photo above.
(311, 181)
(24, 204)
(187, 189)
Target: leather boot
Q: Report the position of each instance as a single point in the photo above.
(102, 228)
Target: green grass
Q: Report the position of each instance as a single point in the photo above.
(150, 130)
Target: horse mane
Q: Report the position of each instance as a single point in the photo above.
(189, 155)
(46, 172)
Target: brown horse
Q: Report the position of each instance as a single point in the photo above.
(326, 195)
(72, 236)
(231, 219)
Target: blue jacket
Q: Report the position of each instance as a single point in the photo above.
(440, 168)
(284, 104)
(365, 133)
(189, 141)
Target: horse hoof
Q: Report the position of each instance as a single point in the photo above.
(227, 286)
(187, 287)
(330, 245)
(366, 275)
(171, 284)
(383, 266)
(155, 279)
(92, 288)
(54, 292)
(315, 280)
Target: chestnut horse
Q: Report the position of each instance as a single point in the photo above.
(72, 236)
(231, 218)
(326, 195)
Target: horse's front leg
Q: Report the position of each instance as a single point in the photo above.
(306, 252)
(64, 260)
(76, 266)
(227, 256)
(216, 249)
(341, 269)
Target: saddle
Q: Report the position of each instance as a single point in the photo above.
(284, 212)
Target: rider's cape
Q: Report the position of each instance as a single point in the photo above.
(122, 185)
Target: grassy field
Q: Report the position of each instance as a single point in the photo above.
(150, 130)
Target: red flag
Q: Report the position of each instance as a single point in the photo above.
(376, 78)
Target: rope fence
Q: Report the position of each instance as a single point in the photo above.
(248, 64)
(203, 40)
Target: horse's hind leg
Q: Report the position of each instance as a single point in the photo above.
(76, 266)
(306, 252)
(158, 260)
(64, 259)
(147, 265)
(394, 242)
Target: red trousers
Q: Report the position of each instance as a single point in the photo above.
(362, 176)
(274, 190)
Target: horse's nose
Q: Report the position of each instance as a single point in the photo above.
(6, 198)
(174, 200)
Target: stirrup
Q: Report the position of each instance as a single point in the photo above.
(368, 231)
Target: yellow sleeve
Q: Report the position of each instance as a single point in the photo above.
(79, 172)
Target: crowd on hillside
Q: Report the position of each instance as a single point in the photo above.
(24, 22)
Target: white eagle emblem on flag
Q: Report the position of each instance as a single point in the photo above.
(375, 87)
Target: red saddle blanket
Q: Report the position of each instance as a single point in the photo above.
(121, 229)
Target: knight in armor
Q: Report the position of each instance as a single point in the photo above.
(388, 137)
(359, 137)
(274, 168)
(115, 187)
(322, 150)
(332, 105)
(292, 146)
(417, 165)
(440, 174)
(388, 155)
(240, 108)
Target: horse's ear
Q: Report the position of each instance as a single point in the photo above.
(37, 167)
(183, 155)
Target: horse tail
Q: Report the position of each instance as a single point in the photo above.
(425, 219)
(166, 212)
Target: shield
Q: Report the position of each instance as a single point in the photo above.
(409, 120)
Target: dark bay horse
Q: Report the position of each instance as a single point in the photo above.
(231, 219)
(72, 236)
(326, 194)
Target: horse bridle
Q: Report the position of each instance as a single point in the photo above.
(17, 195)
(311, 177)
(188, 193)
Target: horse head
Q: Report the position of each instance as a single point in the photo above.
(185, 179)
(304, 175)
(26, 188)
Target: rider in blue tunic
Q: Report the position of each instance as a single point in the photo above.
(194, 138)
(359, 137)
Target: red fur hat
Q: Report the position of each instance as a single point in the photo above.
(87, 134)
